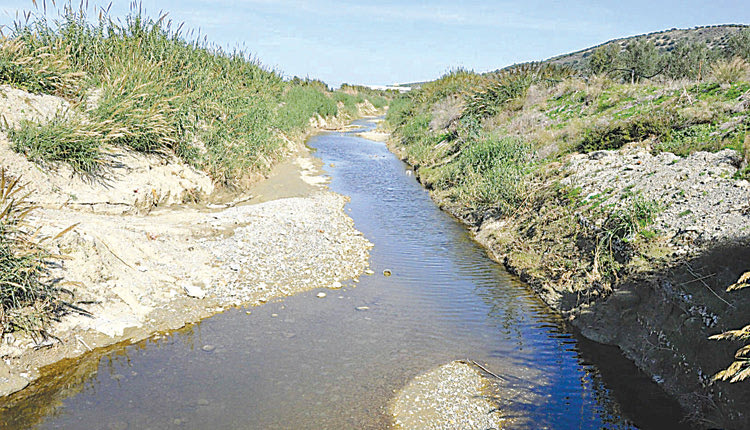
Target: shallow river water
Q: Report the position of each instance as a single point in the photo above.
(305, 362)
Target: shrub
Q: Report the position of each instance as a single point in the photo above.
(603, 59)
(639, 60)
(689, 60)
(730, 71)
(738, 45)
(490, 172)
(512, 84)
(659, 124)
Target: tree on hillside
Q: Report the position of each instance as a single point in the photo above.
(689, 60)
(640, 60)
(738, 45)
(603, 59)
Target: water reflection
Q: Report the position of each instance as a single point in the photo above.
(335, 363)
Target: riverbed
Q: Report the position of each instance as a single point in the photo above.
(336, 361)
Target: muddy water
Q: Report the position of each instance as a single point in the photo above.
(307, 362)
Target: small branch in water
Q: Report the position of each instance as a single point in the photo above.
(485, 369)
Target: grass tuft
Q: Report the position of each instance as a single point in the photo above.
(29, 298)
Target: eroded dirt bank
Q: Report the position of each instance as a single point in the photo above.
(146, 257)
(670, 295)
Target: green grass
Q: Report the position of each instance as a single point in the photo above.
(300, 104)
(59, 140)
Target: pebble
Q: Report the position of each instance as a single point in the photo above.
(208, 348)
(193, 291)
(362, 308)
(321, 295)
(335, 286)
(369, 272)
(386, 272)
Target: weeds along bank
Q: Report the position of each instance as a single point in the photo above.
(104, 121)
(624, 205)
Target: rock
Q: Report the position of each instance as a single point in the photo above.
(335, 286)
(362, 308)
(208, 348)
(386, 272)
(321, 295)
(193, 290)
(369, 272)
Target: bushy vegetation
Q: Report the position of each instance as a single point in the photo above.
(141, 83)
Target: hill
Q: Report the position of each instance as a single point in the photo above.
(715, 37)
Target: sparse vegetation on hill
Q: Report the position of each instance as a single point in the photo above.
(718, 38)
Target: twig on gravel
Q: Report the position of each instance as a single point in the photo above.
(113, 253)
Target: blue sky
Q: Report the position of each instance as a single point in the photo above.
(383, 42)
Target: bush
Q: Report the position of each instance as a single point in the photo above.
(490, 172)
(603, 59)
(639, 60)
(659, 124)
(738, 45)
(511, 84)
(689, 60)
(730, 71)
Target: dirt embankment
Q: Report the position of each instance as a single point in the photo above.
(156, 246)
(669, 295)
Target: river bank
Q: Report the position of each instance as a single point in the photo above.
(671, 297)
(377, 344)
(156, 247)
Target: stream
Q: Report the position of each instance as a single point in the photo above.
(335, 362)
